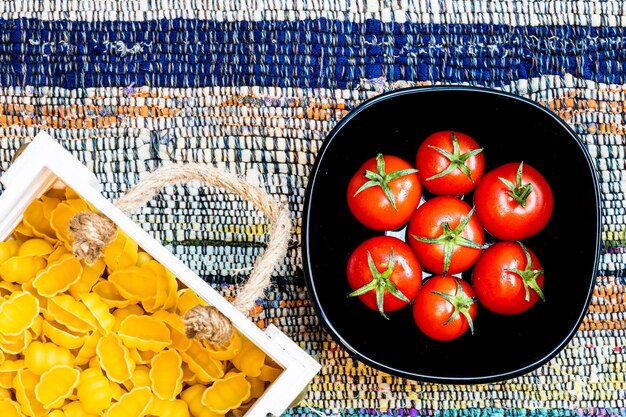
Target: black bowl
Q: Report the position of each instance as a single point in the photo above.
(510, 129)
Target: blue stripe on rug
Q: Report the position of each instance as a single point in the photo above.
(308, 53)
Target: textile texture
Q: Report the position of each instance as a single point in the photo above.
(254, 86)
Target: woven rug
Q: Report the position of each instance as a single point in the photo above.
(254, 86)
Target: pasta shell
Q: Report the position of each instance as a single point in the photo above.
(24, 384)
(10, 408)
(58, 276)
(144, 333)
(94, 391)
(75, 315)
(226, 394)
(135, 403)
(114, 358)
(169, 408)
(43, 301)
(200, 361)
(141, 377)
(136, 283)
(55, 385)
(7, 288)
(35, 247)
(117, 390)
(88, 278)
(166, 374)
(122, 252)
(187, 299)
(15, 344)
(39, 357)
(8, 370)
(18, 313)
(76, 409)
(228, 351)
(111, 296)
(21, 269)
(99, 310)
(121, 313)
(8, 249)
(88, 350)
(5, 393)
(35, 219)
(193, 397)
(62, 336)
(250, 359)
(176, 326)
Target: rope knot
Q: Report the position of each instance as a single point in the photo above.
(92, 232)
(208, 323)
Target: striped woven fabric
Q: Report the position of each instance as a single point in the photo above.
(254, 86)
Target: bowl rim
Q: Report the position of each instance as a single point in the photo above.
(305, 235)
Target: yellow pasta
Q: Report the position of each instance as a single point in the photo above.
(37, 327)
(227, 394)
(99, 310)
(55, 385)
(250, 359)
(135, 403)
(7, 288)
(39, 357)
(18, 313)
(76, 409)
(62, 336)
(117, 390)
(169, 408)
(200, 361)
(24, 384)
(8, 370)
(8, 249)
(135, 283)
(58, 276)
(111, 296)
(15, 344)
(21, 269)
(166, 374)
(269, 373)
(35, 247)
(121, 253)
(193, 397)
(121, 313)
(88, 349)
(187, 299)
(35, 219)
(89, 278)
(144, 333)
(228, 351)
(10, 408)
(107, 339)
(75, 315)
(141, 377)
(176, 326)
(94, 391)
(114, 358)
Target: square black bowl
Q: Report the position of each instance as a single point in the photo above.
(509, 128)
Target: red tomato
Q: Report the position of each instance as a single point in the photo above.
(450, 163)
(444, 308)
(384, 193)
(513, 201)
(508, 278)
(384, 273)
(445, 235)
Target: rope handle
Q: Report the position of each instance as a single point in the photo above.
(92, 232)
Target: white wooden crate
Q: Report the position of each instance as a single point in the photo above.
(45, 162)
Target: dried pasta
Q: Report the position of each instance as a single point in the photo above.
(107, 339)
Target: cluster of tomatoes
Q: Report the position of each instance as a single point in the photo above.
(446, 235)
